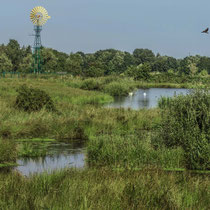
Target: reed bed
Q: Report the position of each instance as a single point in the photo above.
(150, 188)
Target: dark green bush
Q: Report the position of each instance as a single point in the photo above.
(31, 99)
(186, 123)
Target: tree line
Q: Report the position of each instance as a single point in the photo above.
(138, 64)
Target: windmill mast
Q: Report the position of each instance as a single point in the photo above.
(39, 17)
(37, 65)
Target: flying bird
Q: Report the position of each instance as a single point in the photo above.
(206, 31)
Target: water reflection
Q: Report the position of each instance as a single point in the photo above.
(62, 155)
(145, 98)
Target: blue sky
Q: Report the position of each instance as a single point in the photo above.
(170, 27)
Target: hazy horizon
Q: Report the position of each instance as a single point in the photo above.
(169, 27)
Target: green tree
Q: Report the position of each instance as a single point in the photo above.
(111, 59)
(74, 64)
(172, 63)
(192, 63)
(128, 60)
(204, 64)
(184, 67)
(143, 56)
(26, 64)
(160, 64)
(117, 62)
(26, 51)
(13, 52)
(139, 72)
(61, 60)
(93, 72)
(49, 60)
(91, 61)
(5, 63)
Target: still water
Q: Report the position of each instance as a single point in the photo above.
(145, 98)
(62, 155)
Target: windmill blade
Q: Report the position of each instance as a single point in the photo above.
(39, 16)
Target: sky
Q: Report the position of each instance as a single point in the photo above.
(170, 27)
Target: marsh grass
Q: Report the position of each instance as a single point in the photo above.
(129, 164)
(186, 123)
(131, 151)
(80, 114)
(28, 149)
(71, 103)
(8, 152)
(116, 137)
(151, 188)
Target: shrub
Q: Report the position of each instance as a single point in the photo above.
(31, 99)
(117, 89)
(185, 123)
(91, 84)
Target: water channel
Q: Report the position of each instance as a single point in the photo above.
(65, 155)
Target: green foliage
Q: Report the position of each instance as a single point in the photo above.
(60, 61)
(93, 72)
(117, 88)
(204, 64)
(204, 73)
(184, 68)
(74, 64)
(101, 63)
(91, 84)
(14, 53)
(164, 63)
(5, 63)
(141, 72)
(185, 122)
(49, 62)
(143, 56)
(31, 99)
(25, 65)
(7, 151)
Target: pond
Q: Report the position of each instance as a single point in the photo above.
(145, 98)
(61, 155)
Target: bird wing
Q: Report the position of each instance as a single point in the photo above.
(205, 31)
